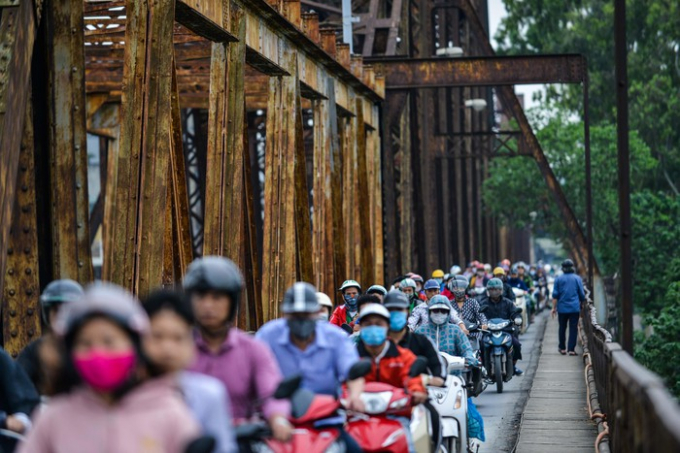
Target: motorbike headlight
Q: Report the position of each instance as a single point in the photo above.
(376, 403)
(497, 325)
(518, 321)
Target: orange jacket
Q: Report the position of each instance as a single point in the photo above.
(393, 367)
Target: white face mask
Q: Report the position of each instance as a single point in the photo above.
(439, 318)
(323, 316)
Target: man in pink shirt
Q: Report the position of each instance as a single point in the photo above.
(245, 365)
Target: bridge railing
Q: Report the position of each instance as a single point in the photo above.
(636, 412)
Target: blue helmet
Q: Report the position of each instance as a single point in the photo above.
(431, 284)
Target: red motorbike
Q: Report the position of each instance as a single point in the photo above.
(373, 429)
(307, 409)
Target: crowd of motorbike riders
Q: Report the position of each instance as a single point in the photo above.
(174, 374)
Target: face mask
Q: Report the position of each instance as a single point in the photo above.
(302, 328)
(373, 335)
(397, 320)
(439, 280)
(351, 302)
(495, 293)
(439, 318)
(459, 293)
(105, 371)
(323, 316)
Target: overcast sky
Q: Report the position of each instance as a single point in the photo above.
(496, 13)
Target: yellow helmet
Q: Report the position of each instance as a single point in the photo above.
(499, 271)
(438, 274)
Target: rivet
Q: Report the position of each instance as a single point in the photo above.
(28, 271)
(10, 271)
(31, 333)
(12, 312)
(80, 224)
(29, 292)
(24, 168)
(10, 251)
(76, 108)
(25, 209)
(30, 312)
(80, 264)
(77, 147)
(26, 229)
(74, 69)
(15, 355)
(78, 185)
(14, 333)
(27, 250)
(24, 188)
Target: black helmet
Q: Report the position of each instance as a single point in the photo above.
(300, 298)
(396, 299)
(568, 265)
(215, 273)
(59, 292)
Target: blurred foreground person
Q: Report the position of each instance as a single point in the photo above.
(18, 399)
(170, 348)
(108, 401)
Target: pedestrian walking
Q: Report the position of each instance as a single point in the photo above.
(567, 297)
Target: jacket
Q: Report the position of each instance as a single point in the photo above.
(518, 283)
(421, 316)
(508, 293)
(421, 346)
(505, 309)
(151, 418)
(392, 367)
(568, 290)
(449, 339)
(448, 294)
(340, 317)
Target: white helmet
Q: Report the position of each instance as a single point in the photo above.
(324, 300)
(407, 283)
(455, 270)
(374, 309)
(349, 284)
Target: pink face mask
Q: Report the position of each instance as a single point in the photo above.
(105, 371)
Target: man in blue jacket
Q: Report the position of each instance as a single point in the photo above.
(567, 297)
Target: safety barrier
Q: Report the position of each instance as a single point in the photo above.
(633, 409)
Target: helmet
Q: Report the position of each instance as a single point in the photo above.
(480, 267)
(568, 265)
(487, 267)
(374, 309)
(521, 264)
(499, 271)
(515, 269)
(406, 283)
(455, 270)
(300, 298)
(417, 278)
(324, 300)
(459, 282)
(439, 301)
(104, 299)
(505, 262)
(215, 273)
(494, 283)
(349, 284)
(447, 277)
(438, 274)
(57, 293)
(431, 284)
(396, 299)
(376, 289)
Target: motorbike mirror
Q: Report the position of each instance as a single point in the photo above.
(518, 321)
(287, 387)
(347, 328)
(418, 367)
(204, 444)
(359, 369)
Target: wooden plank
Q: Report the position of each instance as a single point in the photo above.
(17, 35)
(21, 290)
(71, 252)
(143, 157)
(279, 221)
(189, 15)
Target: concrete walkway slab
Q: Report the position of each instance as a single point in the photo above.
(555, 418)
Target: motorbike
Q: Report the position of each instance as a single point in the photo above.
(521, 304)
(450, 401)
(307, 409)
(475, 375)
(376, 432)
(498, 349)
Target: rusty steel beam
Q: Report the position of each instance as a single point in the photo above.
(303, 227)
(511, 102)
(409, 73)
(362, 208)
(21, 290)
(18, 26)
(137, 241)
(71, 252)
(202, 25)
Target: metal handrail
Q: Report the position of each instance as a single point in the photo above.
(639, 412)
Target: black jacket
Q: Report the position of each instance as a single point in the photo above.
(508, 293)
(30, 361)
(17, 393)
(505, 309)
(421, 346)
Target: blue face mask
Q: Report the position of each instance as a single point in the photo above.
(373, 335)
(397, 320)
(351, 302)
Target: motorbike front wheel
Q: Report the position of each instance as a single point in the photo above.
(498, 373)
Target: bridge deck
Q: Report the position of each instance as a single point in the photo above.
(556, 416)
